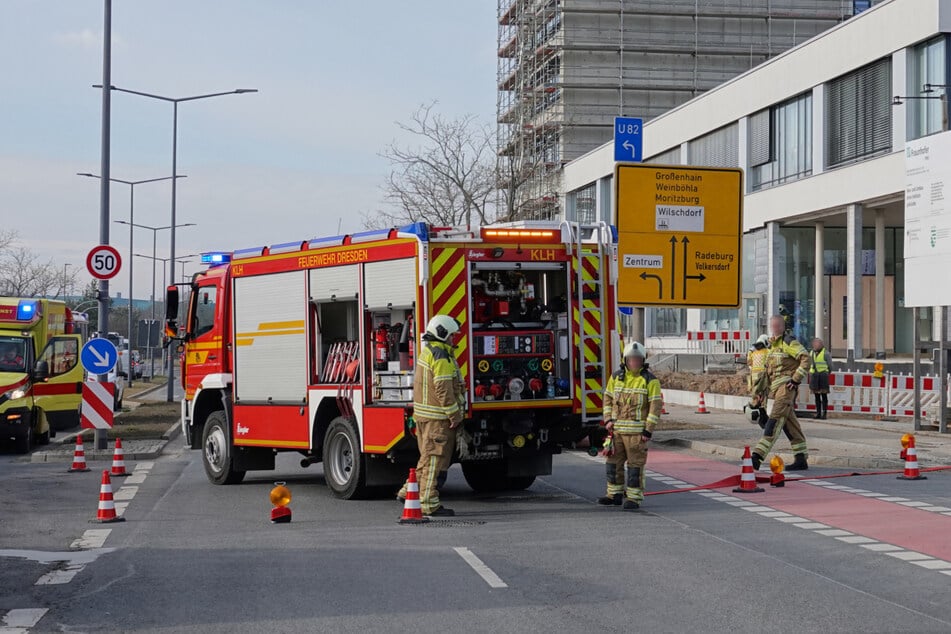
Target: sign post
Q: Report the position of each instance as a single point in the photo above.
(680, 235)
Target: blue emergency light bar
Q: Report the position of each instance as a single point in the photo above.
(27, 310)
(216, 258)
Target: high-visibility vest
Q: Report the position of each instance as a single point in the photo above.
(819, 363)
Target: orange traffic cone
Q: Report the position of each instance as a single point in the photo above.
(747, 475)
(107, 507)
(663, 405)
(912, 471)
(118, 460)
(79, 456)
(412, 511)
(702, 407)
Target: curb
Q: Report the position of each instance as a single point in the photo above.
(733, 453)
(149, 391)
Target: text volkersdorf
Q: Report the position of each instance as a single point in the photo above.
(713, 261)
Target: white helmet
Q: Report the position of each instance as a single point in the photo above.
(763, 339)
(442, 327)
(635, 349)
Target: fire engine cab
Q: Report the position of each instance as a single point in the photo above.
(310, 346)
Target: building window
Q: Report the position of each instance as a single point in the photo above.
(780, 140)
(584, 208)
(719, 148)
(668, 322)
(858, 114)
(670, 157)
(928, 66)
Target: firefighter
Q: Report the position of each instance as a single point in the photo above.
(819, 377)
(756, 360)
(438, 408)
(786, 367)
(632, 406)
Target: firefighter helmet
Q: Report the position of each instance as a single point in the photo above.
(635, 349)
(442, 327)
(764, 340)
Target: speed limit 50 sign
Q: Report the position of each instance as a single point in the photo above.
(103, 262)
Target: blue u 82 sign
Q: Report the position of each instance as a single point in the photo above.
(628, 139)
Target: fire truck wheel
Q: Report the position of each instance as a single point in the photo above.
(344, 463)
(520, 483)
(217, 451)
(44, 438)
(486, 476)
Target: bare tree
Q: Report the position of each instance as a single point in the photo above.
(448, 179)
(23, 273)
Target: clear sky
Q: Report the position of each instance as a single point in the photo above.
(285, 164)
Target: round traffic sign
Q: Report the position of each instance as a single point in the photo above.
(103, 262)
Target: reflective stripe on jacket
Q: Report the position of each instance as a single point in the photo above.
(437, 389)
(788, 361)
(632, 400)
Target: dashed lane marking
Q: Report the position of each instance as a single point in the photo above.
(891, 550)
(481, 569)
(21, 620)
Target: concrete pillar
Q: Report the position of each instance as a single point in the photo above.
(775, 274)
(820, 277)
(853, 241)
(879, 283)
(818, 128)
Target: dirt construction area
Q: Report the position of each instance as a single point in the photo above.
(731, 384)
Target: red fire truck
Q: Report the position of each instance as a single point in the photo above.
(309, 347)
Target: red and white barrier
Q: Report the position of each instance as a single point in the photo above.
(98, 403)
(719, 341)
(863, 393)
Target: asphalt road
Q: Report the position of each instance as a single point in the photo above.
(192, 556)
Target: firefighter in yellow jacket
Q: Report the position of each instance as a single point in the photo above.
(786, 367)
(632, 406)
(438, 407)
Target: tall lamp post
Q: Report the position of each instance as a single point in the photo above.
(175, 101)
(131, 185)
(154, 231)
(64, 279)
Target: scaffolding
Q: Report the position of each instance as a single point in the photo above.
(566, 68)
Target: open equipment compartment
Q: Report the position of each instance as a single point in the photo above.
(520, 331)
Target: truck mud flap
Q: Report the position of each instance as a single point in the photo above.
(537, 464)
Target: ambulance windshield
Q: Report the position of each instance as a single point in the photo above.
(12, 354)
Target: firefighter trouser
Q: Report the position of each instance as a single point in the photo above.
(630, 449)
(436, 444)
(782, 418)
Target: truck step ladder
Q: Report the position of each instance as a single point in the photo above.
(590, 301)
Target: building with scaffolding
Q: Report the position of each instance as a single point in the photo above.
(566, 68)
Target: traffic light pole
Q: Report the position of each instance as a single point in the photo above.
(100, 438)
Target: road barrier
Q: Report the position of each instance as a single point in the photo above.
(864, 393)
(735, 342)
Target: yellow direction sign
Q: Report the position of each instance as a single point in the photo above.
(680, 235)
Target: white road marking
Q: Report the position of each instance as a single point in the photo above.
(792, 519)
(125, 493)
(144, 466)
(59, 577)
(811, 526)
(92, 538)
(856, 539)
(775, 514)
(882, 548)
(834, 532)
(893, 499)
(120, 508)
(909, 555)
(20, 620)
(137, 477)
(933, 564)
(481, 569)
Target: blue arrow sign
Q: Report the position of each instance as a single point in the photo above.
(628, 139)
(99, 356)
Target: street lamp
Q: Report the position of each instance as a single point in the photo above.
(154, 231)
(164, 261)
(131, 224)
(64, 279)
(175, 101)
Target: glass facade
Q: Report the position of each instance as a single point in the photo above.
(859, 114)
(927, 65)
(780, 143)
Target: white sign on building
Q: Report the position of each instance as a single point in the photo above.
(928, 221)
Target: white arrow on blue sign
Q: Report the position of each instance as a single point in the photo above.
(99, 356)
(628, 139)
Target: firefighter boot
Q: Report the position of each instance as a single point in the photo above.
(611, 500)
(441, 511)
(757, 461)
(799, 464)
(631, 505)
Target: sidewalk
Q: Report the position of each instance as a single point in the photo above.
(839, 442)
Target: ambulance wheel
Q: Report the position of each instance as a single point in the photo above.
(344, 462)
(520, 483)
(485, 476)
(44, 438)
(25, 441)
(216, 451)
